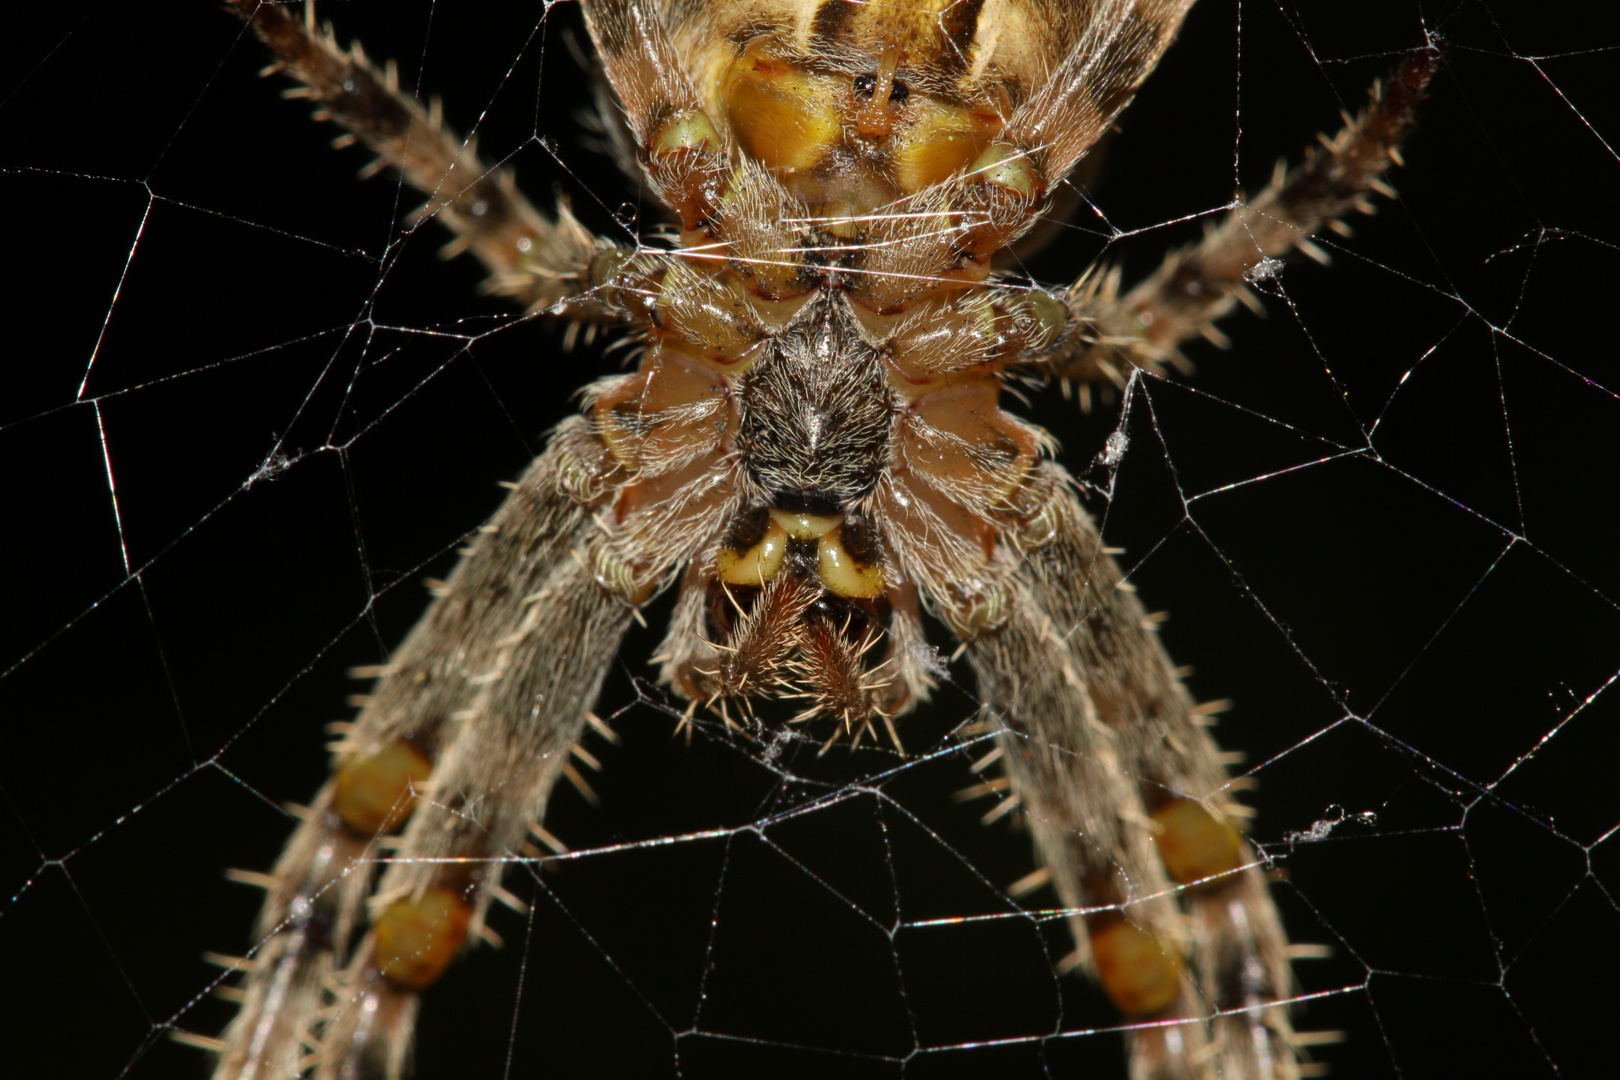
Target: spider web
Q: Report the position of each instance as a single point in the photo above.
(245, 411)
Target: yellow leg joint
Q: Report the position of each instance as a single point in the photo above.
(376, 792)
(1195, 844)
(417, 939)
(1141, 974)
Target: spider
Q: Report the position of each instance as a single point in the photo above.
(811, 452)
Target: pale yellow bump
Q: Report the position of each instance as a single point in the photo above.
(374, 793)
(1194, 844)
(1049, 315)
(693, 131)
(1005, 167)
(1138, 971)
(415, 940)
(805, 526)
(759, 563)
(843, 575)
(606, 265)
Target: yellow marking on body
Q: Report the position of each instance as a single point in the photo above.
(1006, 167)
(842, 574)
(805, 526)
(691, 131)
(415, 940)
(785, 118)
(849, 141)
(375, 793)
(1195, 844)
(839, 572)
(1140, 973)
(759, 563)
(943, 138)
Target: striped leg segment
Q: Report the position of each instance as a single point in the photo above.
(1131, 811)
(539, 261)
(466, 734)
(1199, 284)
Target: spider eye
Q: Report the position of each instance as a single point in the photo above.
(898, 92)
(865, 85)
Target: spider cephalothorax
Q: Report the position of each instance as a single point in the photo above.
(813, 446)
(816, 412)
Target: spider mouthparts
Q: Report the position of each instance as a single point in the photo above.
(797, 600)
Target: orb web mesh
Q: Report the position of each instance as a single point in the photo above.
(246, 410)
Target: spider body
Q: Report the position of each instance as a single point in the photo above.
(812, 450)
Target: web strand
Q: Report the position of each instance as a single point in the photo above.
(249, 410)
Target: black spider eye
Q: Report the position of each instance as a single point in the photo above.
(898, 92)
(865, 85)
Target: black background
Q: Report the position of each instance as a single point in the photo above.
(1383, 523)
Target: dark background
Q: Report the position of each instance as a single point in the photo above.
(1383, 524)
